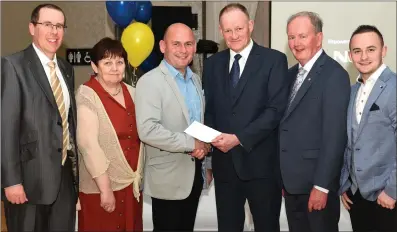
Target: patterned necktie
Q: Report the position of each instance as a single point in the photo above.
(58, 94)
(297, 84)
(235, 71)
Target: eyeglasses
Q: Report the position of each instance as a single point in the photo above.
(49, 26)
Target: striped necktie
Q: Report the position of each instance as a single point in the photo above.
(58, 94)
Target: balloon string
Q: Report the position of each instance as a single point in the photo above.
(134, 76)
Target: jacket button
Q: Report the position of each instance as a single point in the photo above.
(285, 130)
(59, 123)
(59, 149)
(357, 149)
(192, 159)
(234, 113)
(283, 150)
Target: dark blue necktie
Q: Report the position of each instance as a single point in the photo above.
(235, 71)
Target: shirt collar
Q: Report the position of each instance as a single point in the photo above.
(43, 58)
(374, 77)
(309, 65)
(244, 53)
(175, 73)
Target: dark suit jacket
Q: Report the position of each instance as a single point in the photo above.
(252, 111)
(31, 139)
(313, 131)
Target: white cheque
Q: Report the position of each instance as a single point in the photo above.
(202, 132)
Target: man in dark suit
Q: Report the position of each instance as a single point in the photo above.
(313, 130)
(38, 120)
(246, 93)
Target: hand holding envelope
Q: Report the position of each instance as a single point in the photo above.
(222, 141)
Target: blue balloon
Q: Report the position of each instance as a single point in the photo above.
(121, 12)
(150, 62)
(144, 11)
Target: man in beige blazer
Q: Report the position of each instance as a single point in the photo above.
(168, 99)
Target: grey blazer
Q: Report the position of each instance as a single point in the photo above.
(162, 116)
(31, 127)
(375, 144)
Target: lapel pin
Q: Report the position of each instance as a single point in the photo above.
(309, 79)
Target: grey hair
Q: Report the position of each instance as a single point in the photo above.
(315, 19)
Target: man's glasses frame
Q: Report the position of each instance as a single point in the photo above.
(51, 26)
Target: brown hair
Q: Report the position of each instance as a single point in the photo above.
(34, 18)
(107, 48)
(233, 6)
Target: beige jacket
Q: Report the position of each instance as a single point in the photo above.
(162, 116)
(99, 148)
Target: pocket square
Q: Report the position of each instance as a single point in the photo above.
(374, 107)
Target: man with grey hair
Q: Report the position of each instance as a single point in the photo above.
(313, 130)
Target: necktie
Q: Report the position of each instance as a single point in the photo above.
(297, 84)
(58, 95)
(235, 71)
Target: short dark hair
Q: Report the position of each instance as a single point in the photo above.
(367, 28)
(233, 6)
(107, 48)
(34, 18)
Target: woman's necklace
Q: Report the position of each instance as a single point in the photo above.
(112, 94)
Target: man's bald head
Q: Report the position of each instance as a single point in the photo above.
(178, 46)
(177, 28)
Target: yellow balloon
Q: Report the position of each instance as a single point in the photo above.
(138, 41)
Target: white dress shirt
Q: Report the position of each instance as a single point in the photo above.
(244, 56)
(365, 89)
(309, 65)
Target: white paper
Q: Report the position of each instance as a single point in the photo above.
(202, 132)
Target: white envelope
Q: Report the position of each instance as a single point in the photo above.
(202, 132)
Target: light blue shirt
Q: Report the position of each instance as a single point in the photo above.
(188, 90)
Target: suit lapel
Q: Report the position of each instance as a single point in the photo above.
(311, 77)
(172, 83)
(350, 112)
(251, 66)
(65, 75)
(37, 70)
(378, 88)
(292, 73)
(223, 73)
(200, 93)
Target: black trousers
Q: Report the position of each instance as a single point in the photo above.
(300, 220)
(264, 199)
(368, 216)
(178, 215)
(59, 216)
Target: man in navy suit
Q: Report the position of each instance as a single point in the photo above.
(368, 179)
(246, 93)
(313, 130)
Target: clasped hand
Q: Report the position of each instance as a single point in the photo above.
(201, 149)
